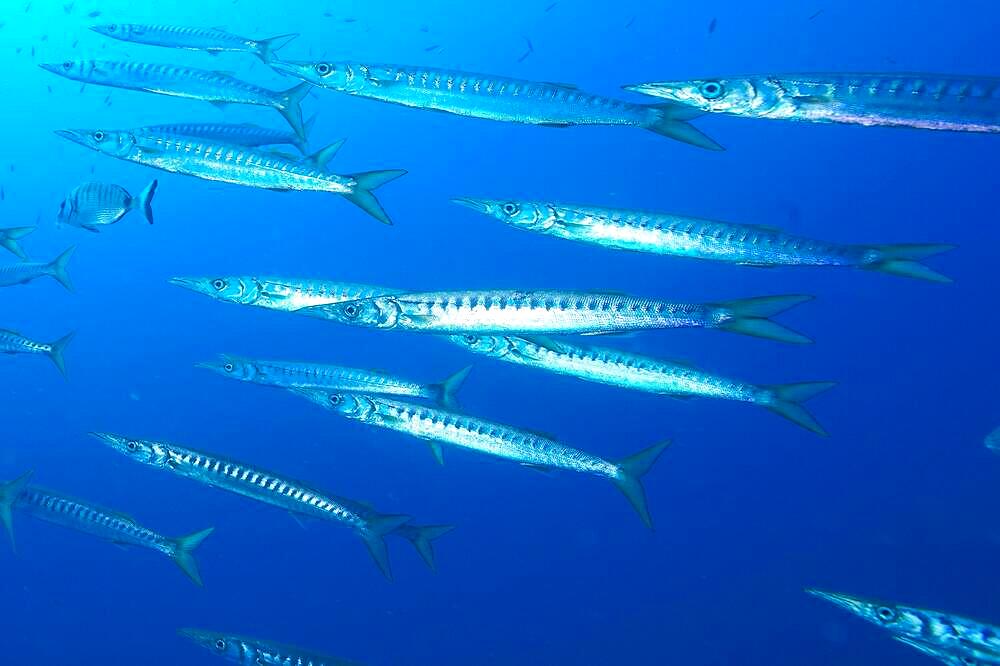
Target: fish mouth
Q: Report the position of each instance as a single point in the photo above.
(662, 90)
(287, 67)
(194, 284)
(207, 365)
(50, 67)
(848, 603)
(74, 135)
(478, 205)
(107, 438)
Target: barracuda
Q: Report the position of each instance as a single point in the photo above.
(437, 427)
(263, 486)
(660, 233)
(257, 652)
(642, 373)
(12, 342)
(9, 238)
(91, 519)
(559, 312)
(292, 374)
(217, 88)
(211, 40)
(953, 633)
(496, 98)
(922, 101)
(238, 165)
(278, 293)
(242, 134)
(26, 271)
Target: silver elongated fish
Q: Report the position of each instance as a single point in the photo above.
(993, 441)
(218, 88)
(240, 134)
(263, 486)
(643, 373)
(212, 40)
(959, 657)
(947, 631)
(560, 312)
(239, 165)
(922, 101)
(26, 271)
(94, 205)
(279, 293)
(258, 652)
(91, 519)
(9, 238)
(661, 233)
(437, 426)
(496, 98)
(12, 342)
(295, 374)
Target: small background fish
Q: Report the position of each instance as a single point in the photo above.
(94, 205)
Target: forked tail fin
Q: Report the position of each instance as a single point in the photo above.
(751, 316)
(267, 47)
(422, 536)
(9, 493)
(904, 260)
(144, 201)
(184, 553)
(55, 352)
(363, 197)
(289, 105)
(446, 390)
(786, 400)
(57, 268)
(670, 120)
(9, 238)
(374, 538)
(630, 471)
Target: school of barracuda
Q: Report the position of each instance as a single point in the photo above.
(536, 329)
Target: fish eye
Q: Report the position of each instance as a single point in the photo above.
(336, 399)
(228, 367)
(323, 68)
(712, 90)
(219, 284)
(886, 614)
(68, 65)
(99, 136)
(132, 445)
(351, 311)
(472, 339)
(511, 208)
(112, 27)
(220, 645)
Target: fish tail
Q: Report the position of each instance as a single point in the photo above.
(184, 553)
(670, 120)
(9, 493)
(289, 105)
(903, 260)
(57, 268)
(751, 316)
(422, 536)
(267, 47)
(321, 158)
(303, 142)
(56, 350)
(446, 390)
(630, 471)
(144, 201)
(374, 538)
(362, 196)
(9, 238)
(787, 399)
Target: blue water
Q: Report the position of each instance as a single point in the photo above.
(900, 502)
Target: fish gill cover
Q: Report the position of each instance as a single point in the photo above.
(491, 412)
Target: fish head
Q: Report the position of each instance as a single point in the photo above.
(71, 69)
(147, 453)
(110, 142)
(116, 30)
(351, 405)
(325, 73)
(895, 618)
(232, 289)
(223, 645)
(381, 312)
(232, 366)
(524, 214)
(708, 95)
(490, 345)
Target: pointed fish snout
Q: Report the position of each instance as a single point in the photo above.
(189, 283)
(842, 600)
(477, 205)
(104, 437)
(285, 67)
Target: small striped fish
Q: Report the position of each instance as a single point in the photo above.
(241, 134)
(239, 165)
(218, 88)
(560, 312)
(12, 342)
(9, 238)
(91, 519)
(278, 293)
(436, 427)
(660, 233)
(263, 486)
(291, 374)
(256, 652)
(211, 40)
(496, 98)
(26, 271)
(94, 205)
(921, 101)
